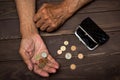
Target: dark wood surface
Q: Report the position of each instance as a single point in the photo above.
(100, 64)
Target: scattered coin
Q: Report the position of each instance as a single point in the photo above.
(43, 54)
(73, 48)
(68, 56)
(72, 66)
(37, 57)
(80, 56)
(59, 52)
(63, 48)
(66, 43)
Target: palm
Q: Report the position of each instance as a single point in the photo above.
(33, 46)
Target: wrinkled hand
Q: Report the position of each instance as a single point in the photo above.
(50, 16)
(29, 47)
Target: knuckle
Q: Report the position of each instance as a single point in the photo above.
(43, 11)
(46, 17)
(53, 25)
(49, 20)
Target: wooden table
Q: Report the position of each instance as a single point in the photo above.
(100, 64)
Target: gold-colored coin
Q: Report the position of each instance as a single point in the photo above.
(72, 66)
(42, 63)
(73, 48)
(59, 52)
(66, 43)
(80, 56)
(37, 57)
(63, 48)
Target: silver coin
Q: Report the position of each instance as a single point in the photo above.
(44, 54)
(68, 56)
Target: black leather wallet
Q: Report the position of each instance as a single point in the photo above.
(90, 34)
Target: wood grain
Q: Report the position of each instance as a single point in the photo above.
(100, 64)
(104, 13)
(108, 21)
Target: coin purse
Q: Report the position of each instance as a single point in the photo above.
(90, 34)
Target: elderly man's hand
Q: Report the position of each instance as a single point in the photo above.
(32, 45)
(50, 16)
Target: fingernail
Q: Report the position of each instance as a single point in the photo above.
(56, 66)
(54, 71)
(30, 67)
(46, 75)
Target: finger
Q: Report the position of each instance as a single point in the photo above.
(40, 72)
(49, 29)
(39, 13)
(30, 50)
(31, 54)
(52, 65)
(55, 64)
(40, 23)
(49, 69)
(44, 27)
(37, 16)
(26, 59)
(51, 26)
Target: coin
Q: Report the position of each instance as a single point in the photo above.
(72, 66)
(63, 48)
(37, 57)
(68, 56)
(59, 52)
(42, 65)
(43, 54)
(80, 56)
(66, 43)
(73, 48)
(42, 62)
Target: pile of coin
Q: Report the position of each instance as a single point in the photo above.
(41, 59)
(68, 55)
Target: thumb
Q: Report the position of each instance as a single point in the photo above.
(39, 12)
(26, 58)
